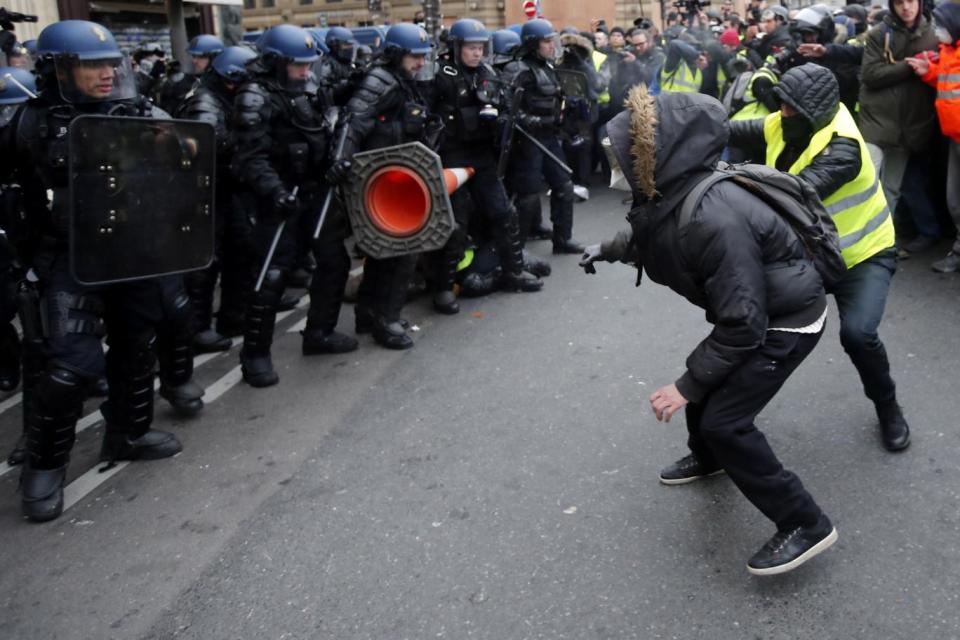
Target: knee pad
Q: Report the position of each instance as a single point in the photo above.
(61, 388)
(564, 193)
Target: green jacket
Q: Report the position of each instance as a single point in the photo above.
(896, 106)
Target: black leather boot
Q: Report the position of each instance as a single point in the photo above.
(444, 279)
(41, 492)
(186, 399)
(391, 335)
(561, 211)
(152, 445)
(514, 277)
(319, 342)
(894, 430)
(260, 319)
(209, 341)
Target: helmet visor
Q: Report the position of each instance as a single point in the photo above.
(97, 80)
(429, 69)
(347, 52)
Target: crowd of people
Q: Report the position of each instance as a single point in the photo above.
(848, 101)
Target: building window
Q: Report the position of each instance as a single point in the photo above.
(305, 2)
(268, 4)
(249, 4)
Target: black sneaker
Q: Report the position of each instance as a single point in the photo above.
(687, 469)
(787, 550)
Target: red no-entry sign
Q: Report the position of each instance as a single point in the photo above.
(529, 8)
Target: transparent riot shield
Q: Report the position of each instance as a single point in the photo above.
(141, 197)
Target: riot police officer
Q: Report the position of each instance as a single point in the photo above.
(202, 50)
(540, 112)
(467, 96)
(282, 138)
(338, 73)
(212, 102)
(83, 71)
(387, 109)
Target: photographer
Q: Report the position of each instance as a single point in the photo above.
(683, 67)
(640, 63)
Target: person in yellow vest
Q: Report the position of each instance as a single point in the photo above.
(682, 70)
(814, 136)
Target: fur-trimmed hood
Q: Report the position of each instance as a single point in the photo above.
(662, 142)
(576, 40)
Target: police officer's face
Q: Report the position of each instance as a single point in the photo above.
(547, 49)
(412, 63)
(200, 64)
(298, 71)
(94, 78)
(471, 54)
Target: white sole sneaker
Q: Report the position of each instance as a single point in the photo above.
(813, 551)
(671, 482)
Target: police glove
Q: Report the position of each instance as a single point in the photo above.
(591, 254)
(286, 204)
(338, 172)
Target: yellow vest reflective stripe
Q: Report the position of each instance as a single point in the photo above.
(598, 60)
(466, 261)
(682, 80)
(858, 208)
(753, 109)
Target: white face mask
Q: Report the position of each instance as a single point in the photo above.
(943, 35)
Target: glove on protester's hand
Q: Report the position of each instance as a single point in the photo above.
(591, 254)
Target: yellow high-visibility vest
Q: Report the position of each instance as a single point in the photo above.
(858, 208)
(682, 80)
(753, 109)
(598, 60)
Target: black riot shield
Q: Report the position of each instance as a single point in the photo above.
(574, 83)
(141, 197)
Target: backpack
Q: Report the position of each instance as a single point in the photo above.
(794, 200)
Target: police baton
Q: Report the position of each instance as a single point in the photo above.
(560, 163)
(328, 199)
(9, 77)
(273, 248)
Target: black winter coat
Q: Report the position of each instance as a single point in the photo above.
(737, 258)
(816, 99)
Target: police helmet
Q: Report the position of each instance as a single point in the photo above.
(505, 42)
(817, 20)
(10, 92)
(467, 30)
(406, 37)
(516, 28)
(78, 39)
(231, 63)
(536, 30)
(30, 46)
(779, 12)
(289, 44)
(205, 45)
(320, 38)
(342, 43)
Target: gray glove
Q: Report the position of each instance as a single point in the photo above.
(591, 254)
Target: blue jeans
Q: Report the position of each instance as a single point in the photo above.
(861, 297)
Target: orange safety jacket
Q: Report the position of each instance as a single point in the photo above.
(945, 76)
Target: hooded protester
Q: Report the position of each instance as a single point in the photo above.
(897, 117)
(742, 263)
(814, 136)
(944, 74)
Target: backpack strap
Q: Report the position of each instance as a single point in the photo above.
(692, 200)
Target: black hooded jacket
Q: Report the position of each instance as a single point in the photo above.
(813, 92)
(737, 258)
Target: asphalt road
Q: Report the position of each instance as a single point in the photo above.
(500, 481)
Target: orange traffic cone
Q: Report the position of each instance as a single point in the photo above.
(456, 178)
(398, 199)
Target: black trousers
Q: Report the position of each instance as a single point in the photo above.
(722, 431)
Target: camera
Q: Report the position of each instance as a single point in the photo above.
(691, 7)
(13, 16)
